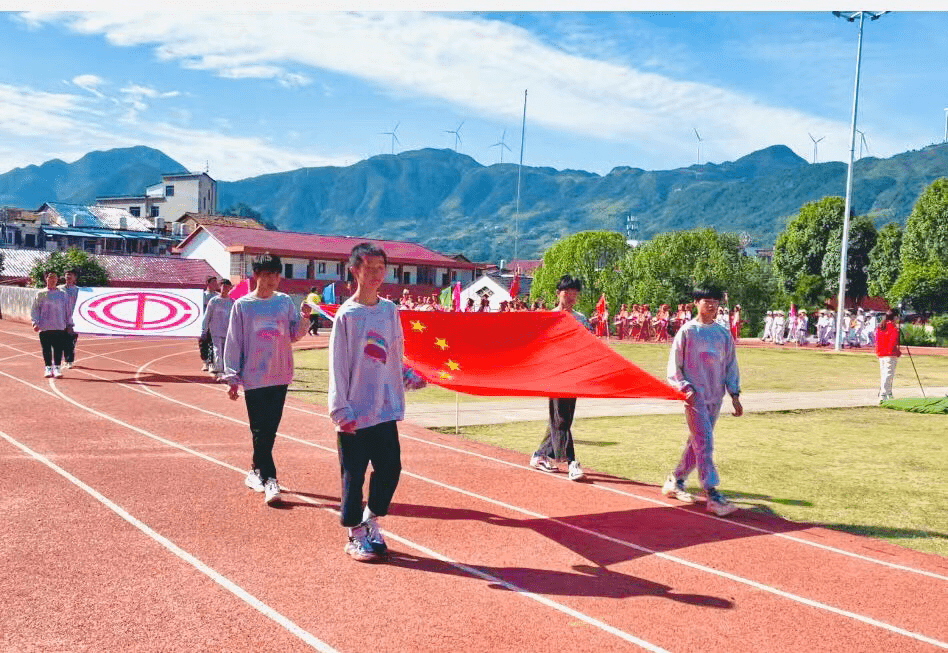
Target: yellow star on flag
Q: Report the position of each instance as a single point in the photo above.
(454, 366)
(441, 342)
(416, 325)
(444, 375)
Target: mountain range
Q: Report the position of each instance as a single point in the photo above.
(449, 202)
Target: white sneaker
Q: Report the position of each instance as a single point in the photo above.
(719, 504)
(543, 463)
(57, 372)
(675, 488)
(374, 536)
(253, 481)
(205, 367)
(359, 548)
(271, 490)
(49, 372)
(576, 472)
(67, 365)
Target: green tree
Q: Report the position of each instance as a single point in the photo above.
(923, 286)
(862, 238)
(885, 260)
(591, 256)
(810, 291)
(926, 230)
(801, 247)
(91, 272)
(666, 269)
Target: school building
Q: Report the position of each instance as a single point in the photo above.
(318, 260)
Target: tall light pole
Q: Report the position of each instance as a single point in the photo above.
(844, 247)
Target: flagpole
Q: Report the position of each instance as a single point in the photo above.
(523, 132)
(457, 413)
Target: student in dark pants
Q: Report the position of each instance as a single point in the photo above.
(50, 318)
(557, 444)
(367, 382)
(72, 294)
(258, 354)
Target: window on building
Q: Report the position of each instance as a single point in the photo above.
(444, 279)
(349, 275)
(30, 240)
(407, 278)
(288, 270)
(321, 268)
(454, 275)
(154, 211)
(338, 268)
(136, 211)
(169, 191)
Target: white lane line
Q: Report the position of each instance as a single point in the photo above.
(465, 568)
(665, 556)
(221, 580)
(607, 488)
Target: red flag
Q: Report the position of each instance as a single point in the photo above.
(515, 286)
(241, 289)
(521, 354)
(328, 311)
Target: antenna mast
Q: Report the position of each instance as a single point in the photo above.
(523, 132)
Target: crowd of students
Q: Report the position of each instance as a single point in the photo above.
(794, 326)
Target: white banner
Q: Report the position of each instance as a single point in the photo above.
(139, 312)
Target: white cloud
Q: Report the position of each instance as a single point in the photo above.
(89, 83)
(480, 66)
(67, 126)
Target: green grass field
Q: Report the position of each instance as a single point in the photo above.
(863, 470)
(872, 471)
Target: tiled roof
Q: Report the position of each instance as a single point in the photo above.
(526, 266)
(95, 217)
(222, 220)
(507, 281)
(291, 243)
(156, 271)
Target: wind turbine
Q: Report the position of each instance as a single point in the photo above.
(457, 135)
(502, 145)
(699, 144)
(862, 141)
(815, 141)
(394, 137)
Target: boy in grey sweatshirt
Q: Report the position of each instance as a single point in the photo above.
(367, 382)
(216, 321)
(702, 364)
(258, 354)
(51, 317)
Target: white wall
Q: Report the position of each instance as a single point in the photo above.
(499, 293)
(204, 246)
(300, 266)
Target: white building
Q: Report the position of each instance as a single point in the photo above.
(176, 195)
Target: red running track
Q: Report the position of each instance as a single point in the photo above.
(127, 528)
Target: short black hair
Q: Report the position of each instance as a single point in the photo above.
(569, 283)
(707, 291)
(360, 251)
(314, 289)
(72, 271)
(210, 279)
(267, 262)
(226, 282)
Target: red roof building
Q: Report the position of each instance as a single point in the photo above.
(318, 260)
(125, 271)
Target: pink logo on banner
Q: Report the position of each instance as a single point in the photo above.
(140, 311)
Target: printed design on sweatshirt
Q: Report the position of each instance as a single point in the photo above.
(376, 347)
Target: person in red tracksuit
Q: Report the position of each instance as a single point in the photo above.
(887, 349)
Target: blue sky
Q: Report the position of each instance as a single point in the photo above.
(250, 93)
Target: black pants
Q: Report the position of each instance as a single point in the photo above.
(52, 342)
(379, 445)
(264, 411)
(558, 440)
(207, 347)
(69, 346)
(314, 324)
